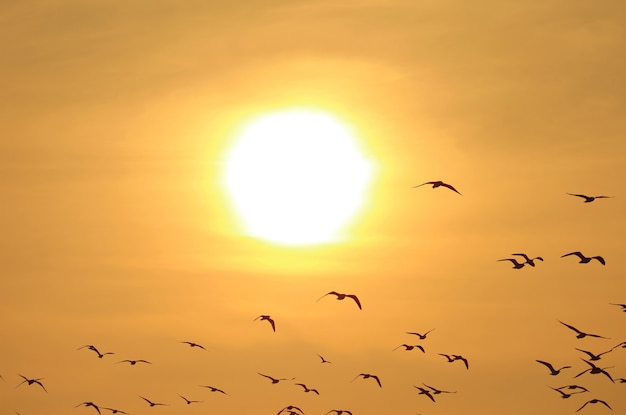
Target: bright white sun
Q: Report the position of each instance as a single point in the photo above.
(296, 177)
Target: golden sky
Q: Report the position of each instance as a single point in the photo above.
(116, 229)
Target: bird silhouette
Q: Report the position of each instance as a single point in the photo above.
(341, 296)
(134, 362)
(529, 261)
(339, 412)
(116, 411)
(592, 356)
(31, 381)
(274, 380)
(454, 358)
(594, 370)
(153, 403)
(323, 360)
(92, 347)
(574, 387)
(367, 376)
(595, 401)
(564, 395)
(620, 305)
(584, 259)
(192, 344)
(188, 400)
(410, 347)
(269, 319)
(437, 184)
(589, 199)
(421, 336)
(290, 408)
(306, 389)
(435, 390)
(93, 405)
(516, 265)
(425, 392)
(581, 334)
(213, 389)
(553, 371)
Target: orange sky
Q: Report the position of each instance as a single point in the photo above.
(116, 229)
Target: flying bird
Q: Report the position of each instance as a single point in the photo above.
(436, 391)
(553, 371)
(581, 334)
(153, 403)
(274, 380)
(594, 370)
(269, 319)
(584, 259)
(339, 412)
(89, 404)
(529, 261)
(213, 389)
(366, 376)
(323, 360)
(595, 401)
(341, 296)
(116, 411)
(188, 400)
(516, 265)
(92, 347)
(620, 305)
(593, 356)
(455, 357)
(306, 389)
(421, 336)
(410, 347)
(564, 395)
(290, 408)
(31, 381)
(574, 387)
(134, 362)
(589, 199)
(438, 183)
(425, 392)
(192, 344)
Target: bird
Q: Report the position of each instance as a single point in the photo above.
(581, 334)
(290, 408)
(153, 403)
(455, 357)
(589, 199)
(516, 265)
(339, 412)
(593, 356)
(563, 394)
(89, 404)
(425, 392)
(92, 347)
(421, 336)
(341, 296)
(116, 411)
(595, 401)
(31, 381)
(188, 400)
(584, 259)
(366, 376)
(594, 370)
(323, 360)
(436, 391)
(553, 371)
(306, 389)
(574, 387)
(529, 261)
(192, 344)
(134, 362)
(213, 389)
(269, 319)
(274, 380)
(620, 305)
(439, 183)
(410, 347)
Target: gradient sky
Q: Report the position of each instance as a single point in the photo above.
(116, 229)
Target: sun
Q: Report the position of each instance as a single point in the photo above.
(296, 177)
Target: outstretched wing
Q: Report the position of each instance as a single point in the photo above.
(571, 327)
(450, 187)
(356, 300)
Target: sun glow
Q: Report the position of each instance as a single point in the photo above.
(296, 177)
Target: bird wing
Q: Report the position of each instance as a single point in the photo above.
(608, 375)
(420, 347)
(577, 253)
(328, 293)
(577, 195)
(424, 184)
(377, 380)
(356, 300)
(465, 361)
(571, 327)
(585, 404)
(584, 371)
(548, 365)
(586, 352)
(597, 335)
(147, 400)
(272, 323)
(450, 187)
(600, 259)
(41, 384)
(606, 404)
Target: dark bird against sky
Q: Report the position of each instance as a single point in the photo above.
(529, 261)
(134, 362)
(421, 336)
(437, 184)
(410, 347)
(274, 380)
(153, 403)
(589, 199)
(425, 392)
(192, 344)
(516, 265)
(581, 334)
(594, 401)
(213, 389)
(31, 381)
(367, 376)
(341, 296)
(268, 319)
(93, 405)
(584, 259)
(553, 371)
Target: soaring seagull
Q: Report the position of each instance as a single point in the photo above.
(581, 334)
(438, 183)
(341, 296)
(553, 371)
(269, 319)
(589, 199)
(31, 381)
(584, 259)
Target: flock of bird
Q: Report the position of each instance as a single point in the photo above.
(519, 260)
